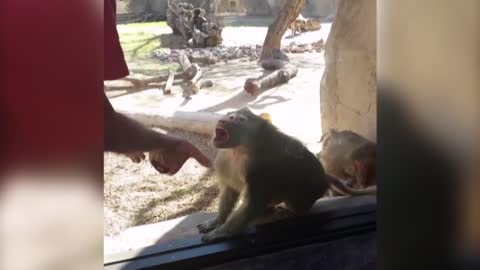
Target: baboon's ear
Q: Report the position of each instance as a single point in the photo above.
(266, 116)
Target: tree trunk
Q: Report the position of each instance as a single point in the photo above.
(288, 14)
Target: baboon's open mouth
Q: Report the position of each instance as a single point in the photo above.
(221, 135)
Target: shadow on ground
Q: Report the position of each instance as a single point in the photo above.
(243, 99)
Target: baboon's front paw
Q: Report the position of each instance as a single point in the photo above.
(350, 182)
(282, 213)
(208, 225)
(213, 236)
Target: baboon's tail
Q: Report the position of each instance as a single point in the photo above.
(341, 188)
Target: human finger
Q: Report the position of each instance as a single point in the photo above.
(200, 157)
(173, 170)
(136, 157)
(159, 168)
(158, 162)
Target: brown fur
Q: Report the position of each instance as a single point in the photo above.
(300, 24)
(350, 157)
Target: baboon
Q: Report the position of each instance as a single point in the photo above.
(298, 25)
(263, 167)
(313, 25)
(364, 161)
(350, 157)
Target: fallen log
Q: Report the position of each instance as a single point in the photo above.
(136, 83)
(205, 84)
(143, 83)
(191, 74)
(161, 78)
(189, 70)
(184, 62)
(191, 86)
(254, 85)
(168, 85)
(196, 75)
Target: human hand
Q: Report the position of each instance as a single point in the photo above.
(136, 157)
(171, 159)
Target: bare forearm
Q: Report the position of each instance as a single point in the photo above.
(125, 135)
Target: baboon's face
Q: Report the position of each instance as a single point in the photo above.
(237, 128)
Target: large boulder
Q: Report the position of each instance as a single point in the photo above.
(348, 87)
(193, 24)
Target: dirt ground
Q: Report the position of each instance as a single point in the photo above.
(136, 194)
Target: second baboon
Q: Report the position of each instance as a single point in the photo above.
(350, 157)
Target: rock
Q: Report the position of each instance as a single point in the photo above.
(202, 57)
(238, 54)
(348, 88)
(318, 44)
(273, 64)
(211, 55)
(196, 27)
(278, 54)
(297, 49)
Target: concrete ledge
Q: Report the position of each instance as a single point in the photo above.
(152, 234)
(183, 227)
(199, 122)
